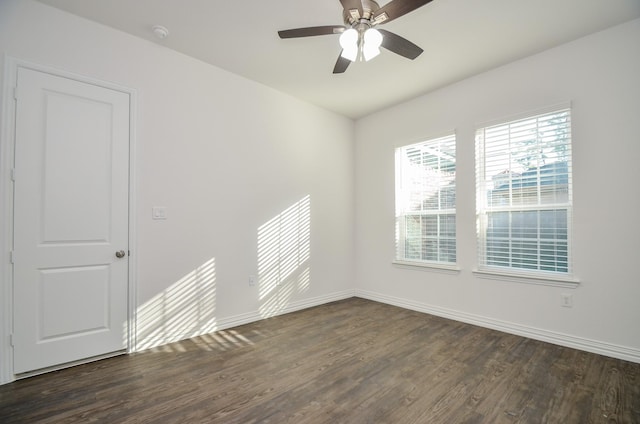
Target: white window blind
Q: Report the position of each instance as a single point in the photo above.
(426, 201)
(524, 206)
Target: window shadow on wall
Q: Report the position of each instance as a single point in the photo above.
(185, 309)
(284, 252)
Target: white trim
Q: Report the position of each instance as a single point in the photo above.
(545, 279)
(428, 266)
(133, 225)
(247, 318)
(7, 141)
(7, 121)
(566, 340)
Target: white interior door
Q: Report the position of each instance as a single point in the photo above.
(71, 217)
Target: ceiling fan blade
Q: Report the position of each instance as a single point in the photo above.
(341, 65)
(352, 4)
(397, 8)
(311, 31)
(402, 46)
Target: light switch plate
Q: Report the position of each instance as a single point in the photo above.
(159, 212)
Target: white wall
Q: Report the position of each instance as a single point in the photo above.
(599, 74)
(225, 155)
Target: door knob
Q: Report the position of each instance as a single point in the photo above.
(120, 254)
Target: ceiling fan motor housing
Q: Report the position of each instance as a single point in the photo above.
(352, 16)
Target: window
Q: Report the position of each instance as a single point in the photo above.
(524, 206)
(426, 201)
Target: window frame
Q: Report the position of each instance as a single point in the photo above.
(483, 209)
(402, 194)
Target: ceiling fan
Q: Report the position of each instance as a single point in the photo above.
(359, 38)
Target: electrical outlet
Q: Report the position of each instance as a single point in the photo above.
(252, 280)
(566, 300)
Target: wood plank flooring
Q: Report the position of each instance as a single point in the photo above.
(353, 361)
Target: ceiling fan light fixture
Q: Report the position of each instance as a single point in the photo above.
(349, 44)
(372, 43)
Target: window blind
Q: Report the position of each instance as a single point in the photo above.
(524, 197)
(425, 201)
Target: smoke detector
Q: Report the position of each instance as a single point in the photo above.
(160, 31)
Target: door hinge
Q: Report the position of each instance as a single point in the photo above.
(13, 174)
(11, 256)
(15, 92)
(11, 340)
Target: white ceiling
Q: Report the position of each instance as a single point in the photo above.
(461, 38)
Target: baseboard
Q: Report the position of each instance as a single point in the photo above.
(236, 320)
(588, 345)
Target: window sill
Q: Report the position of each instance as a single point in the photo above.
(544, 279)
(428, 266)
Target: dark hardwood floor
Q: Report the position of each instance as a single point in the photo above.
(353, 361)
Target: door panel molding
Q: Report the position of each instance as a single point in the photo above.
(7, 150)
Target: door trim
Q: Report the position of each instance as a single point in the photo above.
(7, 149)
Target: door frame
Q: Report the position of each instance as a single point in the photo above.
(7, 151)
